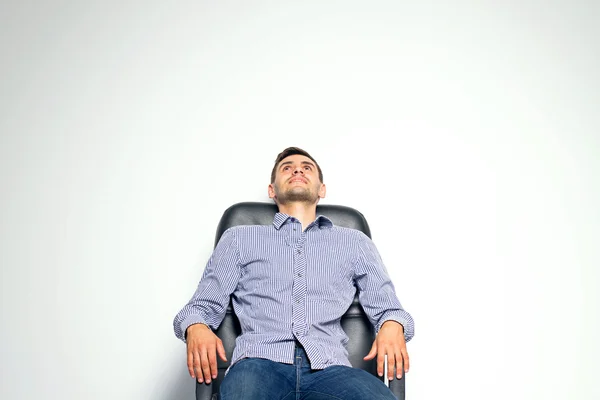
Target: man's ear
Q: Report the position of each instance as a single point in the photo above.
(322, 191)
(271, 191)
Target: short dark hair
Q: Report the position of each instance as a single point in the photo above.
(290, 151)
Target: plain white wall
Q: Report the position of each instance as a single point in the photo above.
(466, 132)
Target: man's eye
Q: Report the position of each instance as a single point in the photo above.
(307, 168)
(286, 168)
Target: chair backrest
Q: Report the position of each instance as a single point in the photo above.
(359, 330)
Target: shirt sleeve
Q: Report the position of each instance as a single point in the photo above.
(376, 290)
(220, 278)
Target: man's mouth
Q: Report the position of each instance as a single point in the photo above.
(298, 180)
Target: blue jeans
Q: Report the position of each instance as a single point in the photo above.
(260, 379)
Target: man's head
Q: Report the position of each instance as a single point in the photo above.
(296, 177)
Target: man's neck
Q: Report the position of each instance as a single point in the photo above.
(303, 212)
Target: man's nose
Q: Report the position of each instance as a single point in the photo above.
(298, 169)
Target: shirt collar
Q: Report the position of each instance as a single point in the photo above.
(281, 218)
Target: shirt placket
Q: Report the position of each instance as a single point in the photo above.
(299, 325)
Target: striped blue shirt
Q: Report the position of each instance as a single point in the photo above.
(288, 284)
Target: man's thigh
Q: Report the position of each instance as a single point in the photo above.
(344, 383)
(258, 379)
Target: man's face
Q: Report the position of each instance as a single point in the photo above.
(296, 180)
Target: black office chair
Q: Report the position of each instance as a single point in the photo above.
(355, 323)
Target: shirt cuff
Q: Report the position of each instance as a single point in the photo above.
(191, 320)
(401, 321)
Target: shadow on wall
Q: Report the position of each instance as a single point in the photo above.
(181, 386)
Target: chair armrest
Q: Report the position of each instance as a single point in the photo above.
(204, 391)
(397, 386)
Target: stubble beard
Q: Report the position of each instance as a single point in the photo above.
(295, 195)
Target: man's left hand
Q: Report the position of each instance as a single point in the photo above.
(390, 341)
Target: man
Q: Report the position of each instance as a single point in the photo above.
(291, 282)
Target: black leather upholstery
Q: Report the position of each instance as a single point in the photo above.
(354, 322)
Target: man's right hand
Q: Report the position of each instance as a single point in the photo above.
(202, 348)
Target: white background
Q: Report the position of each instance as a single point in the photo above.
(466, 132)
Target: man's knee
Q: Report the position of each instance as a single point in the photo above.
(254, 378)
(349, 383)
(245, 375)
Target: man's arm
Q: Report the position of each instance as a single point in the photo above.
(207, 308)
(394, 326)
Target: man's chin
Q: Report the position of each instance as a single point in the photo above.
(298, 196)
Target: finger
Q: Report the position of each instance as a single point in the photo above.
(399, 362)
(380, 362)
(221, 351)
(190, 363)
(406, 359)
(212, 362)
(391, 364)
(204, 363)
(372, 353)
(197, 366)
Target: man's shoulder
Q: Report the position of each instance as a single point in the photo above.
(250, 227)
(241, 230)
(348, 232)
